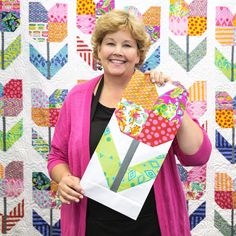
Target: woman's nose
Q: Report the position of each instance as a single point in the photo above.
(117, 50)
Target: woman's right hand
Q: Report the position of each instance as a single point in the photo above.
(69, 189)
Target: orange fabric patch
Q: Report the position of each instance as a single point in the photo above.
(197, 25)
(234, 199)
(57, 32)
(40, 116)
(152, 16)
(1, 172)
(85, 7)
(224, 118)
(143, 92)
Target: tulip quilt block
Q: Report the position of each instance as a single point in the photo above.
(225, 198)
(225, 116)
(9, 23)
(11, 105)
(189, 21)
(48, 26)
(11, 187)
(225, 28)
(134, 144)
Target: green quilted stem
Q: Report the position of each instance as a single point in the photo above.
(186, 60)
(110, 163)
(224, 65)
(10, 53)
(39, 145)
(142, 172)
(178, 54)
(197, 54)
(223, 226)
(12, 135)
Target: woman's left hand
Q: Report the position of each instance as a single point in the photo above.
(158, 77)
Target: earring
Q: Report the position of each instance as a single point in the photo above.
(98, 65)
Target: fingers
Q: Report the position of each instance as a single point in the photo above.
(158, 77)
(69, 190)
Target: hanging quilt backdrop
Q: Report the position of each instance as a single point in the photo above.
(45, 50)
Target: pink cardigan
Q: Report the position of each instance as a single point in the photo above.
(70, 145)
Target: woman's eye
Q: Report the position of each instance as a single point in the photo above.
(127, 45)
(110, 44)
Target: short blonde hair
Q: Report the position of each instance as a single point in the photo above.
(116, 20)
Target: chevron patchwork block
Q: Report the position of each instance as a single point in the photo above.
(10, 137)
(224, 65)
(198, 216)
(12, 218)
(49, 67)
(9, 55)
(43, 227)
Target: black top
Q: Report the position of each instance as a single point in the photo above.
(103, 221)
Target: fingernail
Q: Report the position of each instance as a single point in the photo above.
(77, 200)
(153, 80)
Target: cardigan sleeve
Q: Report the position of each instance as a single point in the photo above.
(200, 157)
(59, 147)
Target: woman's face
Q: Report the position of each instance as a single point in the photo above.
(119, 54)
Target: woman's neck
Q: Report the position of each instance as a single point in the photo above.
(112, 91)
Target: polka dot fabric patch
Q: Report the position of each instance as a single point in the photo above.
(158, 130)
(224, 118)
(197, 25)
(85, 7)
(13, 89)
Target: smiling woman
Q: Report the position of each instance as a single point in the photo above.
(118, 55)
(121, 20)
(120, 44)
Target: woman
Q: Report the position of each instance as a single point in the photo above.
(120, 44)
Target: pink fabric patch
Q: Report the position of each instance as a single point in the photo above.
(197, 108)
(224, 17)
(54, 113)
(58, 13)
(178, 25)
(86, 23)
(224, 199)
(198, 8)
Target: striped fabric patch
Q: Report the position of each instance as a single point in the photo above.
(85, 52)
(223, 182)
(225, 35)
(197, 91)
(224, 147)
